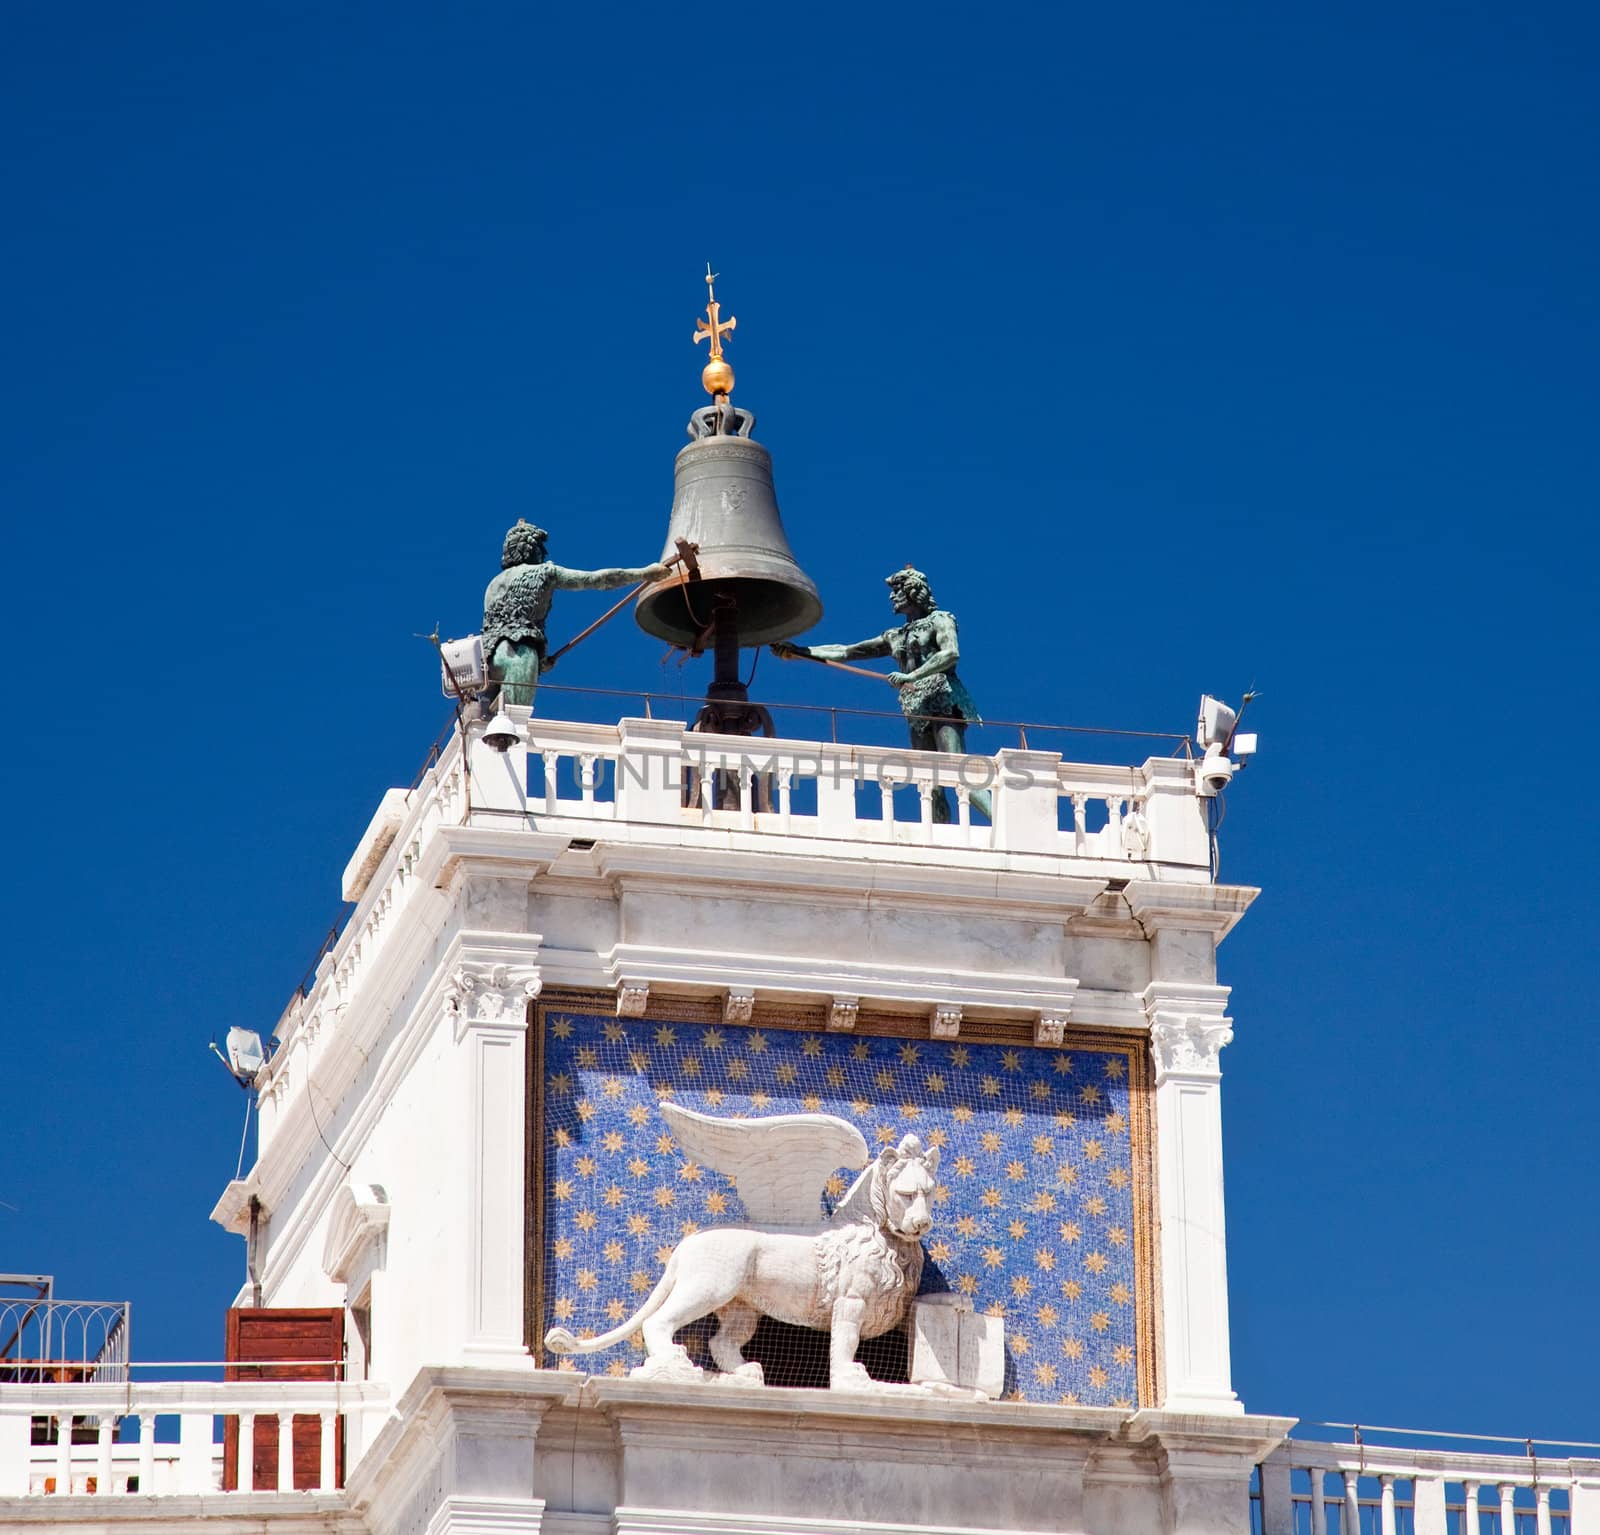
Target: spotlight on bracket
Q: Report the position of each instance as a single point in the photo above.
(245, 1058)
(1217, 733)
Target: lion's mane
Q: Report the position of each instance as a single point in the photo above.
(890, 1265)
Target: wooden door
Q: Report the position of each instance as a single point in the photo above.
(303, 1343)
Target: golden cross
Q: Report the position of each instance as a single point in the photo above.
(718, 327)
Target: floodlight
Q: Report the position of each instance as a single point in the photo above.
(1216, 722)
(246, 1056)
(461, 669)
(501, 733)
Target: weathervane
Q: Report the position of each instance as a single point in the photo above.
(717, 375)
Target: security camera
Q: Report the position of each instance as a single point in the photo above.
(1214, 773)
(501, 733)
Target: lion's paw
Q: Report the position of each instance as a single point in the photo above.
(853, 1377)
(750, 1374)
(674, 1366)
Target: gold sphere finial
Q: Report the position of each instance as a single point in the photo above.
(717, 376)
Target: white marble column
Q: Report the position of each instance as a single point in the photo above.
(490, 1002)
(1188, 1028)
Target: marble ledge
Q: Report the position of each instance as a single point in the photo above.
(533, 1392)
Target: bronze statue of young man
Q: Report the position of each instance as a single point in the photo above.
(517, 603)
(936, 703)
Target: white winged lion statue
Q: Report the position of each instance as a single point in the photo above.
(853, 1274)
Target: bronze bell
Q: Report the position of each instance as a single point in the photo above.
(723, 501)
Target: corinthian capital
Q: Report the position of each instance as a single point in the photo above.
(1188, 1028)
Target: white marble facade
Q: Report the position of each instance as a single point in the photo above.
(476, 899)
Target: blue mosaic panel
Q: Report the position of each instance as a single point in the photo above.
(1034, 1211)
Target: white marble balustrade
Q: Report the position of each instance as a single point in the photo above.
(1310, 1488)
(635, 773)
(192, 1464)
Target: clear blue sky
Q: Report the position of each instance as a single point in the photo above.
(1184, 348)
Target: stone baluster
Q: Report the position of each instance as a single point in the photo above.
(245, 1472)
(102, 1457)
(1508, 1508)
(1386, 1502)
(886, 802)
(1350, 1520)
(1470, 1523)
(963, 807)
(1112, 836)
(1080, 824)
(747, 793)
(925, 793)
(552, 763)
(785, 797)
(64, 1453)
(1319, 1501)
(285, 1452)
(1541, 1495)
(147, 1450)
(327, 1472)
(588, 764)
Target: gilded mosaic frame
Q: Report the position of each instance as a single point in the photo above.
(804, 1018)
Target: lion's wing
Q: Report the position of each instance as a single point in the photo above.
(778, 1164)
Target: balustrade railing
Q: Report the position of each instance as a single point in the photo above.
(1310, 1488)
(43, 1448)
(44, 1339)
(654, 773)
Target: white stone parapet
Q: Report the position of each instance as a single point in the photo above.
(191, 1465)
(1305, 1484)
(1150, 821)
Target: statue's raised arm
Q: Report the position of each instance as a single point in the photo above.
(517, 604)
(926, 648)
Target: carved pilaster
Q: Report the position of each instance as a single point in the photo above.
(945, 1022)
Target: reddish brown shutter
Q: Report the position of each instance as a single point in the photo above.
(314, 1335)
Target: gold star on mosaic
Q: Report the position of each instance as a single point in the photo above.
(561, 1028)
